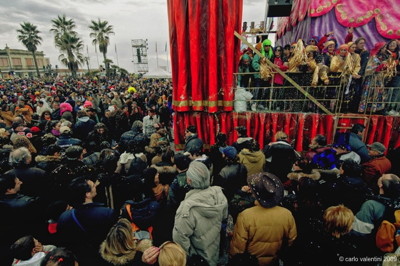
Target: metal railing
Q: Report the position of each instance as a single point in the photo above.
(338, 97)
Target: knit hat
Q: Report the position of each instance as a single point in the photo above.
(65, 107)
(88, 104)
(35, 129)
(229, 151)
(267, 189)
(377, 146)
(199, 174)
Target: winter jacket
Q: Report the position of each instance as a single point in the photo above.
(374, 169)
(96, 220)
(278, 79)
(21, 216)
(83, 126)
(241, 96)
(358, 146)
(310, 154)
(231, 178)
(132, 258)
(34, 180)
(148, 125)
(129, 136)
(240, 143)
(262, 232)
(65, 141)
(144, 213)
(281, 156)
(167, 172)
(177, 190)
(47, 163)
(369, 217)
(198, 222)
(253, 160)
(36, 259)
(314, 175)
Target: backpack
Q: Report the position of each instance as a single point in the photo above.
(387, 238)
(137, 232)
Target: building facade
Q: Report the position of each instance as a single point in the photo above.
(20, 63)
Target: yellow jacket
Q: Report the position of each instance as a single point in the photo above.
(262, 232)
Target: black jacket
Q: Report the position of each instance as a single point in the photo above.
(34, 180)
(83, 127)
(281, 156)
(95, 220)
(20, 215)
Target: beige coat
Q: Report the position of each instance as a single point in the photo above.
(262, 232)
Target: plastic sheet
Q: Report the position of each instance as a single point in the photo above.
(204, 53)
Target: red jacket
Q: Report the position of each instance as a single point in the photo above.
(374, 169)
(278, 79)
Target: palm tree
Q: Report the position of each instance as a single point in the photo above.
(68, 42)
(71, 47)
(62, 25)
(100, 34)
(29, 36)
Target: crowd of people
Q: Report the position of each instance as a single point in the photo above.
(369, 81)
(88, 169)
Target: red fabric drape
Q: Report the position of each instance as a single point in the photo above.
(204, 53)
(263, 126)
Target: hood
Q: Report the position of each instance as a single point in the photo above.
(165, 169)
(209, 202)
(315, 175)
(84, 119)
(252, 157)
(48, 158)
(118, 259)
(125, 157)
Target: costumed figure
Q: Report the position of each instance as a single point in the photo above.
(381, 66)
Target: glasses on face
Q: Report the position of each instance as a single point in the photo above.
(343, 50)
(278, 51)
(292, 47)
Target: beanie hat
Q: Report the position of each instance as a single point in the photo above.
(65, 107)
(87, 104)
(199, 174)
(229, 151)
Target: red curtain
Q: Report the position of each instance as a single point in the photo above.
(300, 127)
(204, 53)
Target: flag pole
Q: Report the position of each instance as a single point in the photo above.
(166, 51)
(116, 53)
(157, 55)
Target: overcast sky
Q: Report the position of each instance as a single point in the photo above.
(131, 19)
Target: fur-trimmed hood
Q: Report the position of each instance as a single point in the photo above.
(165, 169)
(126, 258)
(315, 175)
(47, 158)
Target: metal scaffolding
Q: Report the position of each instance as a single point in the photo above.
(139, 51)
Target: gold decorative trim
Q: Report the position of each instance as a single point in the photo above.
(188, 103)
